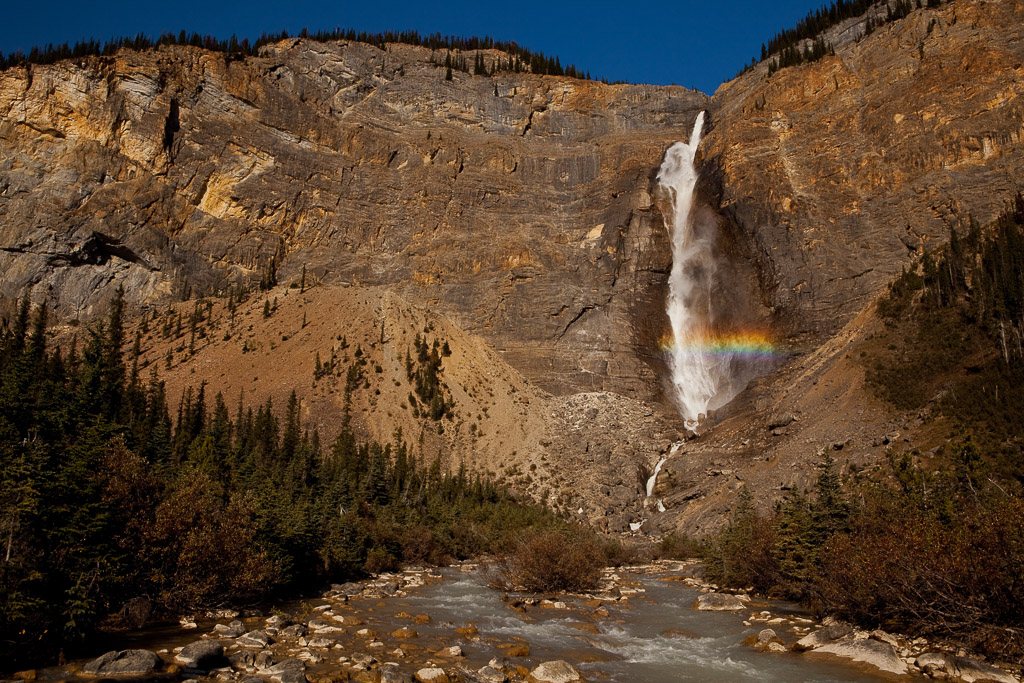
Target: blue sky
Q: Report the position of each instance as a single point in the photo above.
(695, 44)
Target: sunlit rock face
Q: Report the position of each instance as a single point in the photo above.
(519, 205)
(840, 171)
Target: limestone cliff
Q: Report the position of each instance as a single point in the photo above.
(837, 171)
(517, 204)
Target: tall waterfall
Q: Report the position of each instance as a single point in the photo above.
(695, 374)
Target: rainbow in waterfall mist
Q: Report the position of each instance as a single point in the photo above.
(751, 345)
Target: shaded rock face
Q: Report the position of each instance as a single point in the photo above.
(518, 205)
(837, 172)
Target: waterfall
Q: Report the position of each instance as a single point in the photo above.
(653, 479)
(697, 366)
(717, 344)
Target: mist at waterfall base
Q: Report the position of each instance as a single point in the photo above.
(712, 352)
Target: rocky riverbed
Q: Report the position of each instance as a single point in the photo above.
(653, 622)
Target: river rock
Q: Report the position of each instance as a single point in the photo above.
(291, 670)
(243, 660)
(873, 652)
(317, 624)
(823, 636)
(362, 660)
(718, 602)
(320, 643)
(264, 660)
(404, 632)
(432, 674)
(222, 614)
(124, 663)
(489, 674)
(277, 621)
(258, 639)
(879, 634)
(293, 631)
(962, 669)
(766, 640)
(202, 655)
(558, 671)
(349, 588)
(390, 673)
(232, 630)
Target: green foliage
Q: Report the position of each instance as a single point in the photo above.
(105, 499)
(791, 56)
(780, 552)
(677, 546)
(741, 554)
(954, 331)
(556, 560)
(937, 553)
(803, 42)
(425, 375)
(943, 557)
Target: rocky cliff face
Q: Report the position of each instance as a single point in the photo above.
(518, 204)
(839, 170)
(521, 212)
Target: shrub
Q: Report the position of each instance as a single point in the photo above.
(676, 546)
(553, 561)
(910, 568)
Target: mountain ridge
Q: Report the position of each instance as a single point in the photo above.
(523, 210)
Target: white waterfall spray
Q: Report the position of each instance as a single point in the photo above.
(653, 479)
(695, 374)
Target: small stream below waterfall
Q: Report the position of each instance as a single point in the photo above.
(644, 630)
(654, 636)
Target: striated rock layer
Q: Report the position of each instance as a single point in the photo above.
(837, 171)
(518, 204)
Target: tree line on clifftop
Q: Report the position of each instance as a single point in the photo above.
(520, 59)
(803, 43)
(109, 508)
(933, 543)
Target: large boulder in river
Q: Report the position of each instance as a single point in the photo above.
(962, 669)
(718, 602)
(257, 639)
(873, 652)
(823, 636)
(232, 630)
(291, 670)
(124, 663)
(202, 655)
(432, 674)
(558, 671)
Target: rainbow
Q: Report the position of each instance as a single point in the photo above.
(752, 345)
